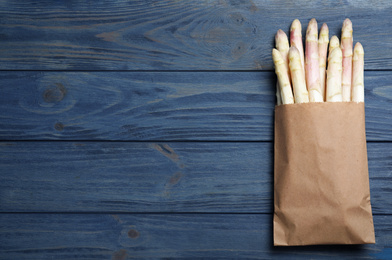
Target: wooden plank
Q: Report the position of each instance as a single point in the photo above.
(157, 106)
(154, 177)
(174, 35)
(124, 236)
(135, 106)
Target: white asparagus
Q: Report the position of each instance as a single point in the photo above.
(322, 51)
(312, 71)
(347, 51)
(282, 45)
(333, 43)
(334, 76)
(297, 76)
(283, 77)
(358, 92)
(296, 40)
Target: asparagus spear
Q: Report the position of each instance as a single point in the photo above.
(334, 42)
(334, 76)
(282, 45)
(297, 76)
(296, 40)
(312, 63)
(358, 94)
(347, 50)
(283, 77)
(322, 52)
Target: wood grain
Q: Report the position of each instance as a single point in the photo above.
(143, 129)
(126, 236)
(173, 34)
(140, 106)
(154, 177)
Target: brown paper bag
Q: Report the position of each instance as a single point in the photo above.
(321, 182)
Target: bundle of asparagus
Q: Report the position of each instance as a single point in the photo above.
(321, 179)
(311, 77)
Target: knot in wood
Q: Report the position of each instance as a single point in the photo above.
(54, 94)
(59, 126)
(132, 233)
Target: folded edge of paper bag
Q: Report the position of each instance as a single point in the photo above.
(321, 179)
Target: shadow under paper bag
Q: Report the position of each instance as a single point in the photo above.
(321, 179)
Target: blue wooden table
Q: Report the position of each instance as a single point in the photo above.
(144, 129)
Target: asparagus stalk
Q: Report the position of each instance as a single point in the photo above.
(297, 76)
(283, 77)
(347, 50)
(334, 76)
(282, 45)
(296, 40)
(333, 43)
(322, 52)
(312, 63)
(358, 94)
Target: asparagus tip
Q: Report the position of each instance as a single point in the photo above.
(347, 22)
(347, 29)
(336, 54)
(324, 34)
(295, 24)
(334, 42)
(312, 31)
(358, 49)
(280, 35)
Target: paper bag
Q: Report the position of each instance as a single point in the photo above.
(321, 180)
